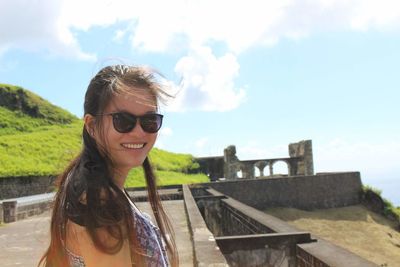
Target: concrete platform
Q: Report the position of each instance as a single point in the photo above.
(176, 212)
(22, 243)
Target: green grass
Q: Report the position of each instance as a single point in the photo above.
(45, 152)
(168, 161)
(389, 209)
(15, 122)
(18, 99)
(48, 151)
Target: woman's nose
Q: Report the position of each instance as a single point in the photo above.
(137, 130)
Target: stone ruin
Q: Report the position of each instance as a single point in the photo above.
(299, 162)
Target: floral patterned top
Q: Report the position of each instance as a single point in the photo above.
(149, 237)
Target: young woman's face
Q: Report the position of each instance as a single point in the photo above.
(129, 150)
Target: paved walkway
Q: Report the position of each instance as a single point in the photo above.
(176, 212)
(22, 243)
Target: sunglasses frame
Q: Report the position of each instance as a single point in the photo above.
(136, 118)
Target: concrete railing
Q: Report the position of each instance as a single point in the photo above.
(250, 237)
(173, 192)
(247, 236)
(1, 213)
(206, 252)
(20, 208)
(15, 209)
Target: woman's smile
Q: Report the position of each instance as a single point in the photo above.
(133, 145)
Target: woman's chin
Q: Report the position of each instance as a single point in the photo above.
(135, 163)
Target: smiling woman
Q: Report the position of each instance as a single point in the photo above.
(94, 222)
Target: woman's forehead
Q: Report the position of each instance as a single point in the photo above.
(135, 103)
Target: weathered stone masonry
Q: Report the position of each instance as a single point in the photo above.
(300, 162)
(13, 187)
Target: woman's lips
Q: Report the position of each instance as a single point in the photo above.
(133, 145)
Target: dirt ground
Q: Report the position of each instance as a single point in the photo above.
(355, 228)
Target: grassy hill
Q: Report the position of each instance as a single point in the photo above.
(39, 138)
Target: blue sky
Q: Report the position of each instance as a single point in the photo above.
(257, 74)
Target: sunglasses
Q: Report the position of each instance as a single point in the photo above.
(125, 122)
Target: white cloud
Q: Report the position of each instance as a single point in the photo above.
(238, 24)
(208, 82)
(384, 15)
(37, 26)
(200, 143)
(166, 131)
(244, 24)
(189, 28)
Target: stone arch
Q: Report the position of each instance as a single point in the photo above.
(281, 167)
(260, 168)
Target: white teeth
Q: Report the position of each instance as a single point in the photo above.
(133, 146)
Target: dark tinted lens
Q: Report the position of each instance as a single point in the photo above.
(124, 122)
(151, 123)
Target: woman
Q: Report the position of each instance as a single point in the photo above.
(94, 222)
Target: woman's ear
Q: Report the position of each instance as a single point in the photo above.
(89, 124)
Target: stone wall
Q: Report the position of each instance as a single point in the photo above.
(13, 187)
(224, 219)
(320, 191)
(305, 259)
(243, 240)
(249, 237)
(212, 166)
(300, 162)
(270, 250)
(303, 149)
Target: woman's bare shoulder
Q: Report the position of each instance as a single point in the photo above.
(79, 242)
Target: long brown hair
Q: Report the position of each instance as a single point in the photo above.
(90, 174)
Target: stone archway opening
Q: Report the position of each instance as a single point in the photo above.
(239, 174)
(281, 168)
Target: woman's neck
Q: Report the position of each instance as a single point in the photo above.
(120, 178)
